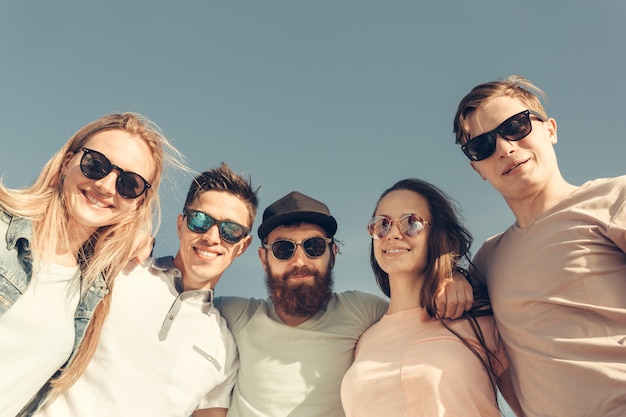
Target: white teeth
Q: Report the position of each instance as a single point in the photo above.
(395, 250)
(96, 202)
(206, 254)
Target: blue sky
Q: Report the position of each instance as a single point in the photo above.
(336, 99)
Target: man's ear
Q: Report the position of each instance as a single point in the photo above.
(180, 224)
(263, 257)
(244, 245)
(552, 130)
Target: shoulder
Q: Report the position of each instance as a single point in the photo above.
(149, 267)
(604, 186)
(602, 198)
(359, 296)
(361, 303)
(236, 302)
(234, 308)
(14, 228)
(489, 245)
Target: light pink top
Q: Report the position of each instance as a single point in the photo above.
(409, 365)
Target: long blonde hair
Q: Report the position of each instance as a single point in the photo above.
(107, 250)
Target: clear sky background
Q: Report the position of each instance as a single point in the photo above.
(336, 99)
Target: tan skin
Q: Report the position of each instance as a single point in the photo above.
(210, 412)
(404, 259)
(203, 257)
(525, 172)
(95, 203)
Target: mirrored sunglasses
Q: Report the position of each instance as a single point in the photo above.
(410, 225)
(284, 249)
(514, 128)
(200, 222)
(96, 166)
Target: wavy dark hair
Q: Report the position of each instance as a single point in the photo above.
(449, 245)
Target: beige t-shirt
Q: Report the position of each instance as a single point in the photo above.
(295, 371)
(558, 290)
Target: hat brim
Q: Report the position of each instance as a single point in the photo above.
(326, 222)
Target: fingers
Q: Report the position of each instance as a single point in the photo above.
(455, 297)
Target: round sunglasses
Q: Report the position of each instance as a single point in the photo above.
(96, 166)
(410, 225)
(514, 128)
(284, 249)
(200, 222)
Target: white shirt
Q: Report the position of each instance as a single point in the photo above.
(162, 352)
(37, 334)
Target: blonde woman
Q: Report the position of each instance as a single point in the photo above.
(64, 239)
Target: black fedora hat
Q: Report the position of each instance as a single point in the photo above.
(296, 206)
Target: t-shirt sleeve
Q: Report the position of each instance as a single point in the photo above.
(236, 310)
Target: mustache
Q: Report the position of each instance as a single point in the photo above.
(300, 270)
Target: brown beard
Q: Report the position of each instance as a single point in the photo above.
(302, 300)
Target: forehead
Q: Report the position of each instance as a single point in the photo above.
(399, 202)
(296, 233)
(222, 206)
(491, 113)
(129, 152)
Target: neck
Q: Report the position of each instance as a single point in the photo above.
(405, 292)
(65, 252)
(528, 208)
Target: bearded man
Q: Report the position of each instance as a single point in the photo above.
(295, 347)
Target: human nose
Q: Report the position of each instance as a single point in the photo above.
(212, 234)
(299, 256)
(504, 146)
(108, 183)
(394, 230)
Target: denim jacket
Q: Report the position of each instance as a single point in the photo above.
(16, 267)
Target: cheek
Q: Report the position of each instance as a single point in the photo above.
(128, 208)
(377, 251)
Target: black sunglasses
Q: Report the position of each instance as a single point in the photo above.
(96, 166)
(514, 128)
(200, 222)
(284, 249)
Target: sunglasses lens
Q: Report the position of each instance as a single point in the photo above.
(130, 185)
(232, 232)
(378, 227)
(283, 249)
(314, 246)
(94, 165)
(517, 127)
(411, 225)
(481, 147)
(198, 221)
